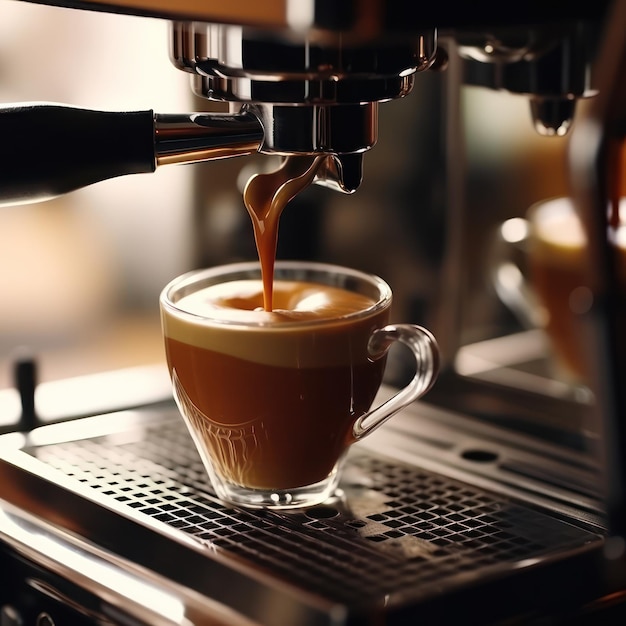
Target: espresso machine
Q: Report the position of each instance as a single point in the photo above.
(482, 504)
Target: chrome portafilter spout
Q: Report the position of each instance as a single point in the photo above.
(343, 132)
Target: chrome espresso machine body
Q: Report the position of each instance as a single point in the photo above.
(464, 508)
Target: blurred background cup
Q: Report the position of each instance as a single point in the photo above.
(538, 273)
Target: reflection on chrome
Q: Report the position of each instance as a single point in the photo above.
(152, 602)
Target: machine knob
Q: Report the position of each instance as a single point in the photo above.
(25, 375)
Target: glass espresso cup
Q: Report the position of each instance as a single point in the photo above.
(546, 287)
(273, 400)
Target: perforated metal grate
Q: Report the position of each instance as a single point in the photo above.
(400, 528)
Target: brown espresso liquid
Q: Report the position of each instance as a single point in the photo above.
(265, 197)
(273, 408)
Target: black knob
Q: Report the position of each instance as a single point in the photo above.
(25, 376)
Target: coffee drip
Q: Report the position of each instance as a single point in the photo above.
(265, 196)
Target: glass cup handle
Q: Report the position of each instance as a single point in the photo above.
(508, 276)
(426, 353)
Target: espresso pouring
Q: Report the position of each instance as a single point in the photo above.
(265, 197)
(318, 378)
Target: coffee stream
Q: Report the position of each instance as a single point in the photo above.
(265, 197)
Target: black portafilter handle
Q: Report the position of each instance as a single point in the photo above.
(51, 149)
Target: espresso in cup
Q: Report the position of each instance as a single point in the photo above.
(275, 365)
(273, 399)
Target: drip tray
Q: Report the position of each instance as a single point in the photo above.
(399, 543)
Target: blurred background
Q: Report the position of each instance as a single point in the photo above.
(81, 274)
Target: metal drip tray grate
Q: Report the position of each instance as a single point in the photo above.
(399, 530)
